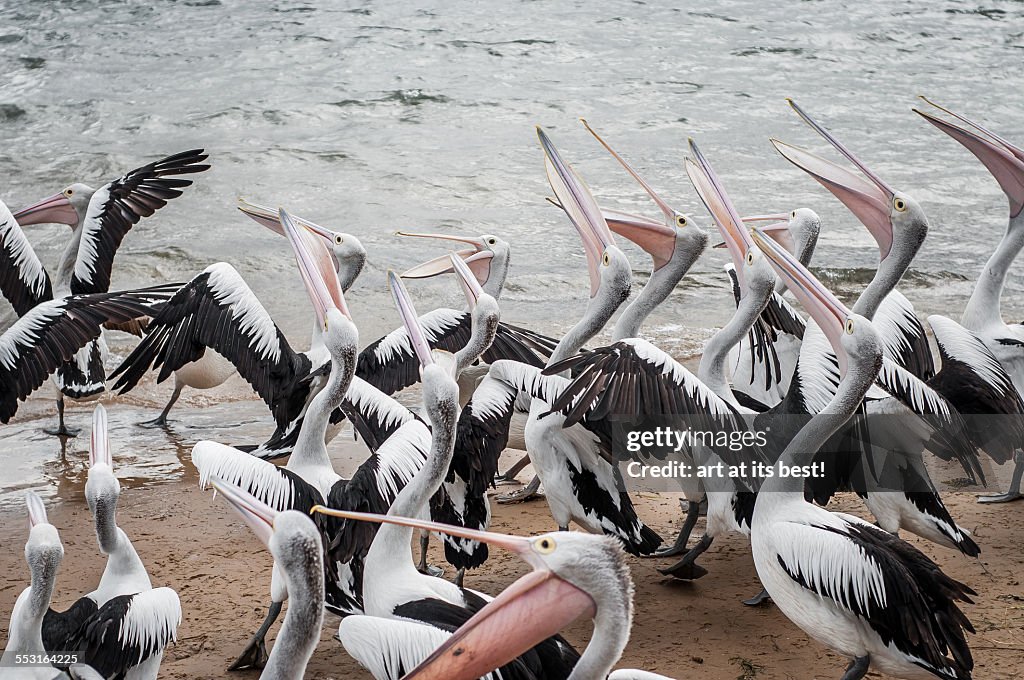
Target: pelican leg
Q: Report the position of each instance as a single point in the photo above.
(460, 576)
(1013, 493)
(758, 599)
(62, 430)
(527, 493)
(255, 653)
(161, 420)
(422, 566)
(679, 547)
(685, 568)
(858, 668)
(509, 476)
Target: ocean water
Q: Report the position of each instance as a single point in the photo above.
(374, 116)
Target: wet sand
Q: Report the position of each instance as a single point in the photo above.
(195, 544)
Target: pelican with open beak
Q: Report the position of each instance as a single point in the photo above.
(347, 253)
(574, 575)
(488, 257)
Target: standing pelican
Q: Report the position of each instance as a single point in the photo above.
(44, 552)
(853, 587)
(1005, 162)
(99, 220)
(124, 625)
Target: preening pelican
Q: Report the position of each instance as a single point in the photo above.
(855, 588)
(99, 220)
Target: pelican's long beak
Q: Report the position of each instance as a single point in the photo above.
(410, 320)
(467, 280)
(315, 266)
(270, 219)
(711, 193)
(1004, 160)
(579, 204)
(56, 209)
(825, 308)
(478, 258)
(99, 447)
(36, 509)
(871, 201)
(658, 240)
(529, 611)
(258, 515)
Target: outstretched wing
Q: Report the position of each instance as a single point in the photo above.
(118, 206)
(903, 335)
(217, 310)
(276, 486)
(390, 365)
(23, 280)
(53, 331)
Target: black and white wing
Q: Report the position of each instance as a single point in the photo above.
(903, 336)
(976, 384)
(632, 380)
(23, 280)
(60, 629)
(53, 331)
(128, 630)
(118, 206)
(217, 310)
(390, 365)
(896, 590)
(762, 364)
(276, 486)
(374, 415)
(390, 648)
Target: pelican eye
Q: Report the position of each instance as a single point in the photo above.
(68, 192)
(491, 241)
(849, 326)
(607, 259)
(544, 545)
(339, 239)
(792, 215)
(750, 257)
(680, 220)
(899, 204)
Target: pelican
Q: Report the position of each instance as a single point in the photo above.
(99, 220)
(982, 316)
(393, 587)
(575, 575)
(50, 333)
(123, 625)
(295, 542)
(898, 224)
(218, 289)
(44, 552)
(851, 586)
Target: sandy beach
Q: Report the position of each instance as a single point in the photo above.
(197, 545)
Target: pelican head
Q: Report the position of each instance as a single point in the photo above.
(340, 335)
(895, 220)
(102, 488)
(67, 207)
(797, 231)
(487, 257)
(347, 254)
(755, 275)
(574, 575)
(610, 273)
(1004, 160)
(43, 551)
(676, 242)
(852, 336)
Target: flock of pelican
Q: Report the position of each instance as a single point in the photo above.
(347, 545)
